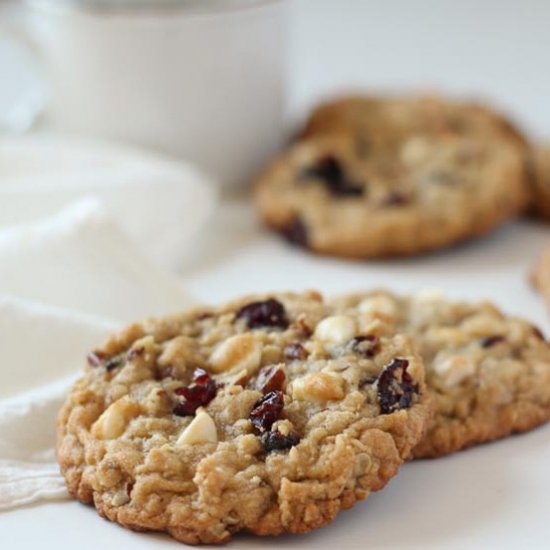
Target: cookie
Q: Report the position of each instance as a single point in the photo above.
(540, 191)
(267, 415)
(488, 374)
(410, 176)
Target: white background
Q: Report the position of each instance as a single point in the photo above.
(495, 496)
(498, 49)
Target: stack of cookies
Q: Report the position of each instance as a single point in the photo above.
(373, 177)
(272, 413)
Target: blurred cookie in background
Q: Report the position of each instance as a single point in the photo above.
(380, 177)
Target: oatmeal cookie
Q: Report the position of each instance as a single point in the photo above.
(488, 374)
(410, 176)
(540, 200)
(267, 415)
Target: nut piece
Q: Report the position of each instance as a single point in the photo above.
(378, 306)
(239, 352)
(120, 498)
(318, 387)
(179, 353)
(115, 418)
(201, 430)
(337, 329)
(483, 324)
(454, 370)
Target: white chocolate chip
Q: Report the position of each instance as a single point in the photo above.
(454, 370)
(201, 430)
(120, 498)
(379, 305)
(115, 418)
(337, 329)
(318, 387)
(239, 352)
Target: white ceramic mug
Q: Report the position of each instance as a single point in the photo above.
(203, 80)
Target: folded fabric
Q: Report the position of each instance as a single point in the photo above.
(81, 259)
(158, 202)
(80, 224)
(40, 344)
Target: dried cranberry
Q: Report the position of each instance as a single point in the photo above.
(200, 376)
(329, 170)
(296, 232)
(198, 394)
(270, 378)
(266, 411)
(368, 345)
(276, 441)
(268, 313)
(295, 352)
(113, 363)
(491, 341)
(396, 387)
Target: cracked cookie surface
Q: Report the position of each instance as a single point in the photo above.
(373, 177)
(488, 374)
(268, 415)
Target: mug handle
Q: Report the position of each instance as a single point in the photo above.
(24, 92)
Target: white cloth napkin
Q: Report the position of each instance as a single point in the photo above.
(43, 347)
(81, 259)
(159, 202)
(86, 230)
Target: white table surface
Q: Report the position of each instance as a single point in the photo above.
(493, 496)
